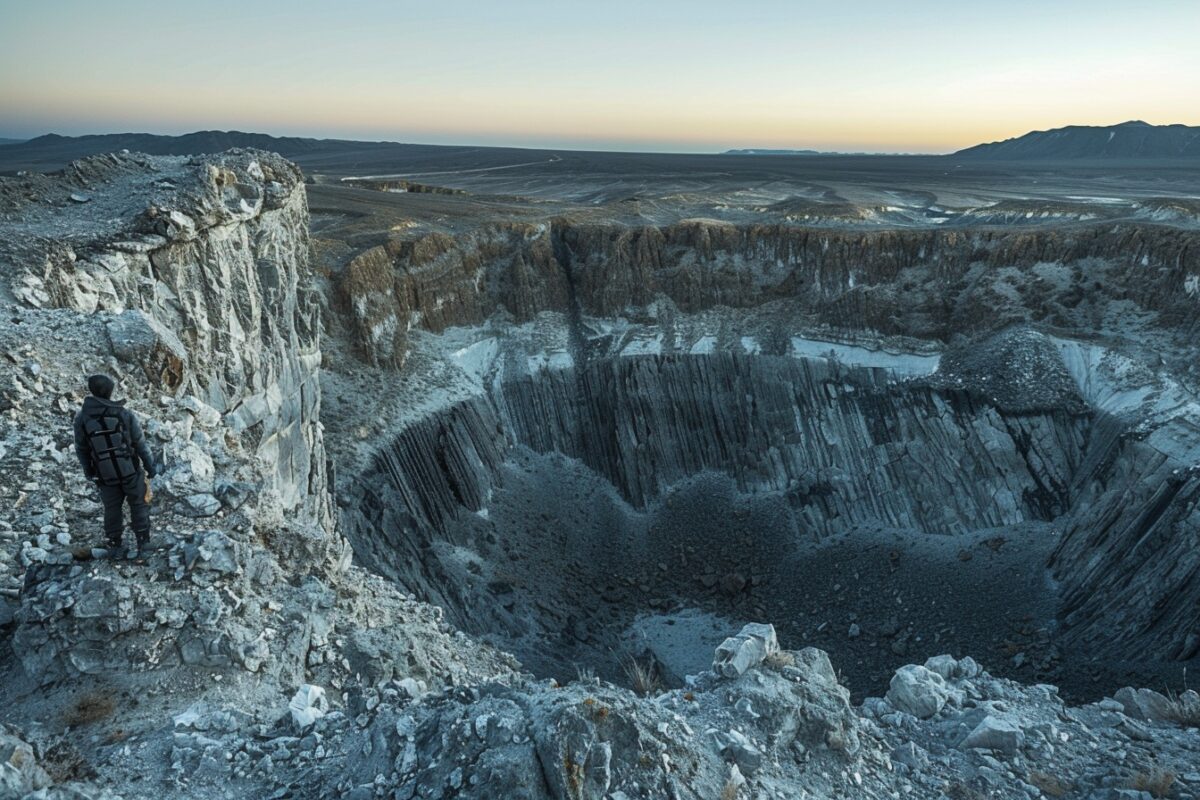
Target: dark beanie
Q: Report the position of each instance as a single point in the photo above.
(101, 386)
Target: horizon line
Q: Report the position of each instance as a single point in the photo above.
(798, 150)
(746, 150)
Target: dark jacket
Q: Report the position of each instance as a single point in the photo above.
(93, 406)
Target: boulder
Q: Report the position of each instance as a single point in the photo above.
(138, 338)
(952, 668)
(748, 649)
(995, 734)
(1144, 704)
(918, 691)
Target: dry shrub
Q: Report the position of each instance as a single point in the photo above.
(643, 677)
(1158, 782)
(957, 790)
(1184, 709)
(730, 792)
(780, 659)
(92, 707)
(63, 763)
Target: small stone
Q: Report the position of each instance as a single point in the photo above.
(203, 504)
(995, 734)
(735, 747)
(308, 705)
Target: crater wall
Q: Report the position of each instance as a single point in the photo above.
(926, 283)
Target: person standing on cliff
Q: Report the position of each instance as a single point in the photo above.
(113, 453)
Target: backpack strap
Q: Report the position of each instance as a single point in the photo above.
(109, 446)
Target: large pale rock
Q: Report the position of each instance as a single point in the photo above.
(1144, 704)
(918, 691)
(20, 773)
(748, 649)
(189, 468)
(952, 668)
(993, 733)
(808, 707)
(138, 338)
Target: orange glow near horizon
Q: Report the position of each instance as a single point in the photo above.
(770, 75)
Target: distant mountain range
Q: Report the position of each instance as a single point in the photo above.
(53, 151)
(1129, 140)
(758, 152)
(755, 151)
(189, 143)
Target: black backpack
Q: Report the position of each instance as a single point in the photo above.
(109, 443)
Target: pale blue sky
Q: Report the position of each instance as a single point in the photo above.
(696, 76)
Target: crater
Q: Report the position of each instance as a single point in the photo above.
(587, 514)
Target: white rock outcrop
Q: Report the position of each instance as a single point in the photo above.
(918, 691)
(748, 649)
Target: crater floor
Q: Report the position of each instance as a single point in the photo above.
(585, 518)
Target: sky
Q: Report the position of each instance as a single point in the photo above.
(665, 75)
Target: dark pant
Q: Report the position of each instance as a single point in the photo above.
(114, 497)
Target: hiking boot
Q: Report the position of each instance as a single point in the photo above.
(139, 552)
(115, 552)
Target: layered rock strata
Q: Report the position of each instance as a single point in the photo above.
(927, 283)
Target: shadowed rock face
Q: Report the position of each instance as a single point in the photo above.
(840, 449)
(1130, 558)
(843, 444)
(438, 281)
